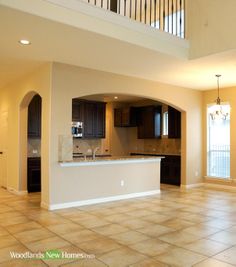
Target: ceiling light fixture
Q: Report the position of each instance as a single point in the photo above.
(24, 42)
(217, 111)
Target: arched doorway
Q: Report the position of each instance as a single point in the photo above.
(30, 143)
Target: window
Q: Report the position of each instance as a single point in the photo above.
(165, 123)
(218, 145)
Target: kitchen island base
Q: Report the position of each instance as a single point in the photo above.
(82, 183)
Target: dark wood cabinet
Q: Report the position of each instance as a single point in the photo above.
(77, 110)
(170, 170)
(149, 122)
(100, 120)
(174, 123)
(93, 116)
(125, 117)
(34, 175)
(34, 117)
(89, 120)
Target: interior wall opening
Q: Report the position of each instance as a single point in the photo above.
(117, 125)
(30, 143)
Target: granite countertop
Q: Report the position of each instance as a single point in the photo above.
(110, 160)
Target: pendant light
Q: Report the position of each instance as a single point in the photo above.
(217, 111)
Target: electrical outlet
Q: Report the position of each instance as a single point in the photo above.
(122, 182)
(196, 173)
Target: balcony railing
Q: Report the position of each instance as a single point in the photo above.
(164, 15)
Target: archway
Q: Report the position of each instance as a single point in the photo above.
(24, 142)
(171, 155)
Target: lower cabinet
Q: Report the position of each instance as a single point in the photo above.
(34, 175)
(170, 170)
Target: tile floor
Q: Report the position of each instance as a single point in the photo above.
(176, 228)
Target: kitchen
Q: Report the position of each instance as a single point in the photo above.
(129, 126)
(129, 136)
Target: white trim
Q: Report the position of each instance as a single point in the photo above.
(16, 192)
(109, 161)
(189, 186)
(220, 186)
(98, 200)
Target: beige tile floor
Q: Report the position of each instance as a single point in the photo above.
(176, 228)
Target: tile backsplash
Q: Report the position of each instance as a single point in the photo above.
(65, 148)
(34, 147)
(85, 146)
(163, 145)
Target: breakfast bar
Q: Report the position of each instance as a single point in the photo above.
(106, 179)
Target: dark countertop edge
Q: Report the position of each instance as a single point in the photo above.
(154, 154)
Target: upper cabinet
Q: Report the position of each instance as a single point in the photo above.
(34, 117)
(125, 117)
(174, 123)
(149, 122)
(93, 116)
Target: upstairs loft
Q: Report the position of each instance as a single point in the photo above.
(79, 33)
(164, 15)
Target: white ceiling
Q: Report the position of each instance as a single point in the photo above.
(53, 41)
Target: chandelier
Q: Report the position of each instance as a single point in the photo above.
(217, 111)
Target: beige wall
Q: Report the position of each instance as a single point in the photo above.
(210, 26)
(91, 182)
(226, 95)
(70, 82)
(15, 98)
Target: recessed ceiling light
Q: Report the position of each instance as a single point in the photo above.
(24, 42)
(115, 97)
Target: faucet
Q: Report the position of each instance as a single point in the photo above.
(94, 150)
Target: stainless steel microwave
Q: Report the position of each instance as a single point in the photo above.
(77, 129)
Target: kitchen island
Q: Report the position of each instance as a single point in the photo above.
(83, 182)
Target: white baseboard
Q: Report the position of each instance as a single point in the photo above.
(16, 192)
(98, 200)
(220, 186)
(189, 186)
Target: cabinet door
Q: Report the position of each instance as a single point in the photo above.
(77, 110)
(170, 170)
(89, 117)
(125, 117)
(34, 117)
(99, 120)
(34, 175)
(118, 117)
(149, 122)
(146, 123)
(174, 123)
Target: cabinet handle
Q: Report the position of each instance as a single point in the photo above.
(1, 152)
